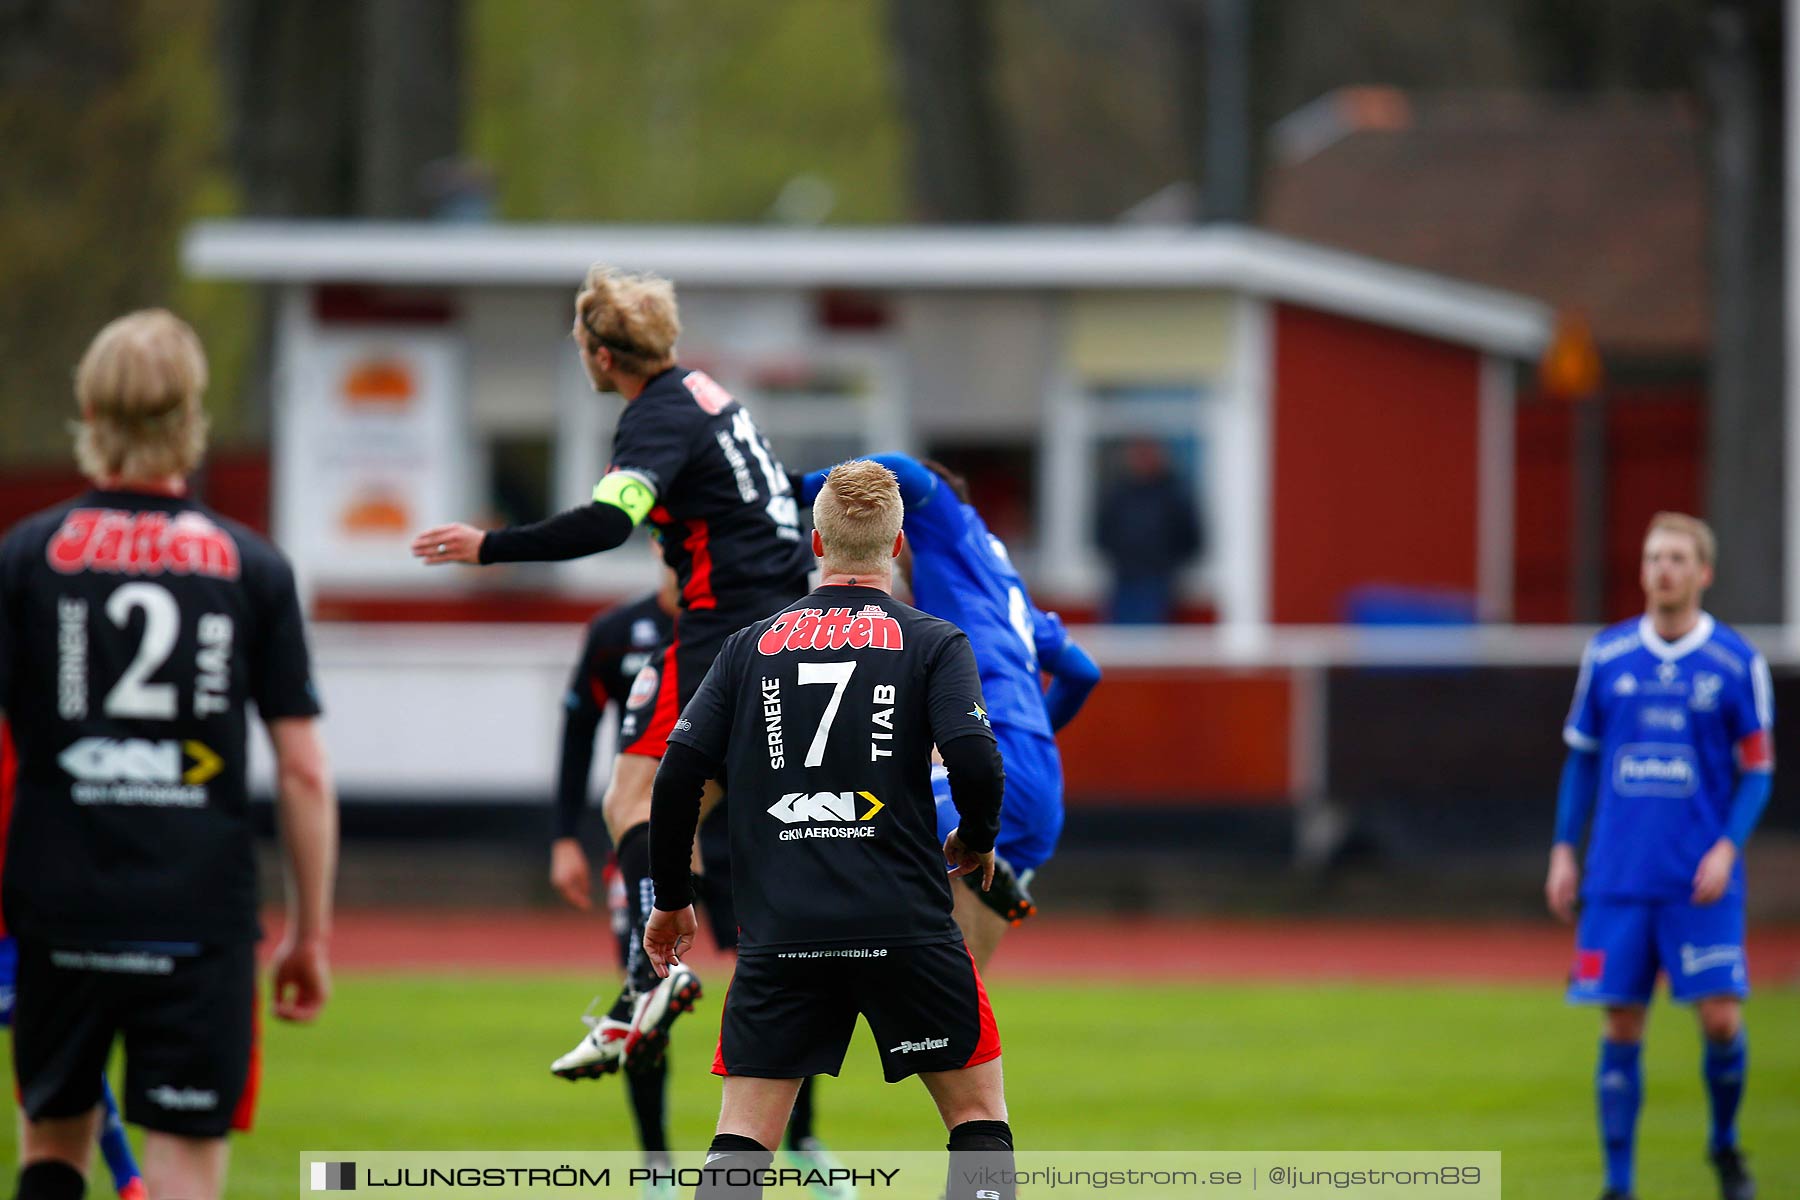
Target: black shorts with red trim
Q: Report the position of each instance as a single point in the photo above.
(790, 1015)
(188, 1017)
(672, 676)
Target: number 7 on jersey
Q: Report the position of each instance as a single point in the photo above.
(837, 674)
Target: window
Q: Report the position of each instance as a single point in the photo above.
(817, 413)
(1147, 432)
(520, 470)
(1086, 448)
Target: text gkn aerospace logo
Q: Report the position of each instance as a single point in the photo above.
(825, 815)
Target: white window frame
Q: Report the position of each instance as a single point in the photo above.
(1079, 421)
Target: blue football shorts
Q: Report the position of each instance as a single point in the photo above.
(1620, 945)
(1031, 816)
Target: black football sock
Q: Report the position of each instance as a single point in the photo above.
(48, 1179)
(646, 1089)
(800, 1123)
(981, 1162)
(734, 1168)
(634, 867)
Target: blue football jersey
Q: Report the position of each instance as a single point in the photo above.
(962, 573)
(1674, 723)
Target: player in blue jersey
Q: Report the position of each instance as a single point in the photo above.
(1670, 752)
(961, 573)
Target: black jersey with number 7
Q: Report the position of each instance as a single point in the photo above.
(135, 630)
(824, 716)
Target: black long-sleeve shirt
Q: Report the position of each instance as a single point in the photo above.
(619, 643)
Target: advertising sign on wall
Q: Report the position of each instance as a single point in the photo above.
(370, 452)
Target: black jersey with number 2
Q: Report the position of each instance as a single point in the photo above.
(134, 630)
(824, 716)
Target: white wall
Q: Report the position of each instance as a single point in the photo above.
(440, 712)
(978, 365)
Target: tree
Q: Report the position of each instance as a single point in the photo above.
(105, 155)
(1742, 77)
(962, 160)
(342, 105)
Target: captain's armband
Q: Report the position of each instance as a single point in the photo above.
(627, 491)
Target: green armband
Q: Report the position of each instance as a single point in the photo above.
(628, 491)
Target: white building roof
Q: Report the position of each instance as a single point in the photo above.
(1228, 258)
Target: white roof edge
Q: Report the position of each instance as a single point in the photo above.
(895, 258)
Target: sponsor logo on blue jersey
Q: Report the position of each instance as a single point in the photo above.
(1655, 769)
(1667, 721)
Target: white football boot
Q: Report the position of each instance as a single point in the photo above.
(601, 1052)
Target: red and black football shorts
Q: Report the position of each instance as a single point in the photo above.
(672, 676)
(791, 1015)
(188, 1017)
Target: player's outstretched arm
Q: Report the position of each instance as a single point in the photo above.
(573, 533)
(1073, 677)
(442, 545)
(915, 479)
(621, 500)
(306, 810)
(674, 816)
(1574, 804)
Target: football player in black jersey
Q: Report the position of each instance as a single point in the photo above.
(688, 458)
(820, 720)
(619, 644)
(115, 1146)
(136, 628)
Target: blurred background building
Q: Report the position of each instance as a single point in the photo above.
(1425, 307)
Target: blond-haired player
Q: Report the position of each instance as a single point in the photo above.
(136, 626)
(821, 721)
(1670, 752)
(687, 458)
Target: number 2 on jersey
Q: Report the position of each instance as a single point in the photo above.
(133, 696)
(838, 674)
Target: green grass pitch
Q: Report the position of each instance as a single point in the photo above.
(459, 1062)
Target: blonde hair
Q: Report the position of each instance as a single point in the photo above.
(634, 316)
(139, 387)
(1706, 546)
(858, 514)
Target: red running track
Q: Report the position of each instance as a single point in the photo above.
(1052, 947)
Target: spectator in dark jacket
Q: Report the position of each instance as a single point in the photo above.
(1148, 529)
